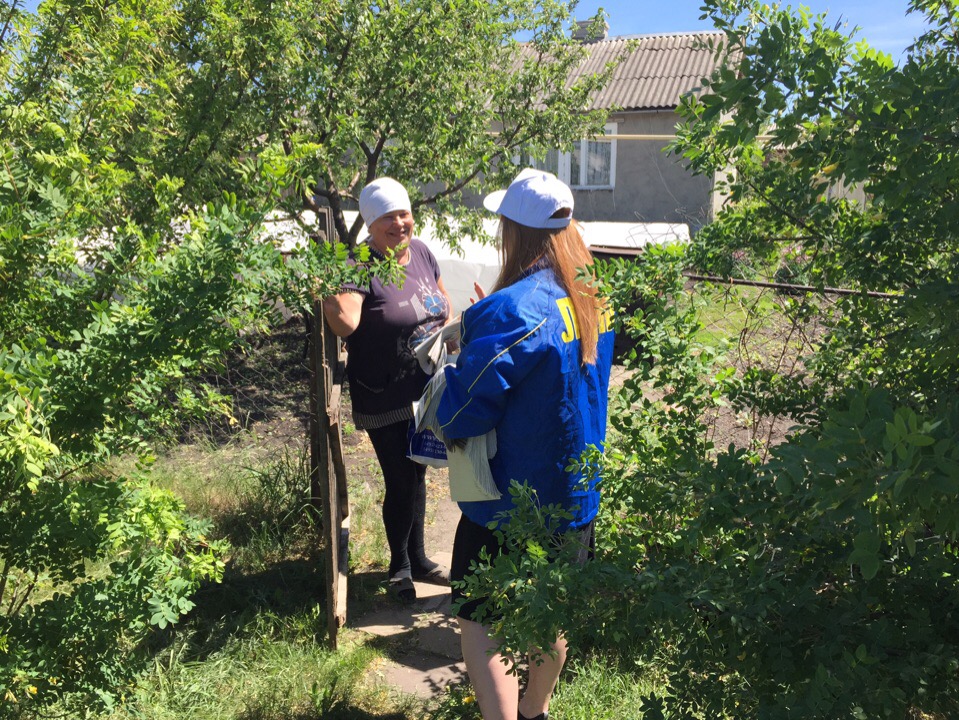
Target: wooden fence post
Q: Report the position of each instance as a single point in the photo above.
(328, 489)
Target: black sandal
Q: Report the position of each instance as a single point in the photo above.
(439, 575)
(403, 589)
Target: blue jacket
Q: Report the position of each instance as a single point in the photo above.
(519, 372)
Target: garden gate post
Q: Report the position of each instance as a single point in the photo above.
(327, 468)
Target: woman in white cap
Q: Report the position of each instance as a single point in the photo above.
(382, 325)
(534, 365)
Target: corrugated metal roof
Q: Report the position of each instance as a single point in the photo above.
(656, 73)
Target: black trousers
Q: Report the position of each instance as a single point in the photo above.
(404, 506)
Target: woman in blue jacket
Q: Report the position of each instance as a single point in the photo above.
(534, 365)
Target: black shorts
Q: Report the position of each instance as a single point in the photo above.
(471, 539)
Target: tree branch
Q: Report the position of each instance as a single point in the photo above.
(452, 189)
(13, 181)
(23, 600)
(9, 21)
(3, 578)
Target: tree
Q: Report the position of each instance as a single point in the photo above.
(441, 96)
(144, 145)
(114, 293)
(816, 579)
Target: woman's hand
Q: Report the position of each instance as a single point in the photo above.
(480, 293)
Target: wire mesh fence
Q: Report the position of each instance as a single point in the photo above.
(768, 331)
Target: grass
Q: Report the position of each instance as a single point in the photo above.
(368, 547)
(727, 312)
(754, 325)
(599, 688)
(271, 669)
(254, 648)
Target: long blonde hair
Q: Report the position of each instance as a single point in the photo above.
(564, 251)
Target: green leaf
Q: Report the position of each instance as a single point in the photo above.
(867, 541)
(869, 565)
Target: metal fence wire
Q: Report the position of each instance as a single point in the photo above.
(769, 328)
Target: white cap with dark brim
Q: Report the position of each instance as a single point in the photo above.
(532, 199)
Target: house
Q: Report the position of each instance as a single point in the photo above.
(625, 176)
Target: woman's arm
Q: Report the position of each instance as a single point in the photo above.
(343, 312)
(500, 347)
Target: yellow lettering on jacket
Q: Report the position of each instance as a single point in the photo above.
(605, 321)
(565, 306)
(571, 333)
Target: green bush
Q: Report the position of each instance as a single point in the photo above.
(113, 295)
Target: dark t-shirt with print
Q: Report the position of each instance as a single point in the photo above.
(384, 376)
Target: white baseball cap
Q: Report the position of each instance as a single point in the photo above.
(383, 195)
(532, 199)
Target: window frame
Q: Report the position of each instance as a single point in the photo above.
(581, 182)
(564, 161)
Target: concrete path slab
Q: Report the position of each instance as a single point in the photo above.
(421, 675)
(425, 654)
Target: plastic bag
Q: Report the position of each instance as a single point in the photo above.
(425, 448)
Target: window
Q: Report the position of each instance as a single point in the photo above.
(591, 165)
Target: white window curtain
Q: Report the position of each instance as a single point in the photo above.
(599, 164)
